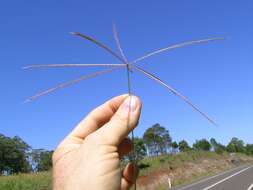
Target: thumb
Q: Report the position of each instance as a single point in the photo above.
(122, 122)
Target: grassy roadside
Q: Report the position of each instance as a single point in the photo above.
(181, 168)
(185, 167)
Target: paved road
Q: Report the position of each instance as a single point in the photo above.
(240, 178)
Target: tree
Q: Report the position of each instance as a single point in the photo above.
(183, 146)
(217, 147)
(157, 139)
(249, 149)
(174, 146)
(202, 144)
(140, 150)
(13, 155)
(42, 159)
(235, 145)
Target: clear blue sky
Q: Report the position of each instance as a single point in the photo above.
(217, 76)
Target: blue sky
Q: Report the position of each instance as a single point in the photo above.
(217, 76)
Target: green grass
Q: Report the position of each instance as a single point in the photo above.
(39, 181)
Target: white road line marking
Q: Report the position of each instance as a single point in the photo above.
(211, 186)
(206, 179)
(169, 181)
(250, 187)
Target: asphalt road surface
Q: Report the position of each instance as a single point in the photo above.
(240, 178)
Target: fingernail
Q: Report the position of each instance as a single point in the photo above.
(130, 104)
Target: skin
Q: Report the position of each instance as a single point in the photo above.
(89, 157)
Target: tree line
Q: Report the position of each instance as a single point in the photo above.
(157, 140)
(17, 156)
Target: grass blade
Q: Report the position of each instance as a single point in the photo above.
(175, 92)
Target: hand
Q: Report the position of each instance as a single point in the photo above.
(89, 157)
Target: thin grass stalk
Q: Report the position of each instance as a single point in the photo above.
(116, 37)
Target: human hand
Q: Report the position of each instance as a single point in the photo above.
(89, 157)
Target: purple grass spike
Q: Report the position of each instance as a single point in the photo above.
(71, 65)
(100, 44)
(180, 45)
(66, 84)
(175, 92)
